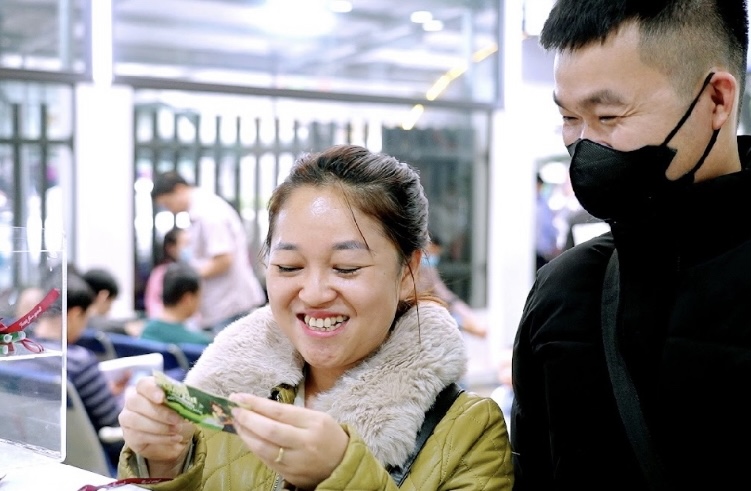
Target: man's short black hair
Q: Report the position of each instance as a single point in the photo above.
(179, 279)
(166, 183)
(99, 279)
(80, 294)
(681, 37)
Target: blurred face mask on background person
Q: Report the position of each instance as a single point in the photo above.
(431, 260)
(185, 255)
(619, 186)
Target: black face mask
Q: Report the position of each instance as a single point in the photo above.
(621, 186)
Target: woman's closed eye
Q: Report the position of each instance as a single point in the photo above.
(286, 269)
(343, 270)
(347, 270)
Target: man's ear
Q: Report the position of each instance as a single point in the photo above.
(725, 98)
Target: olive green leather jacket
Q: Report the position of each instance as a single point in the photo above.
(469, 448)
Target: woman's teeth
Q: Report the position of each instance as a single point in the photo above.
(325, 323)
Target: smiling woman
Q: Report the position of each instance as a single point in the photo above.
(334, 377)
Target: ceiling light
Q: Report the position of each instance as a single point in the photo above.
(433, 25)
(411, 119)
(421, 16)
(340, 6)
(306, 19)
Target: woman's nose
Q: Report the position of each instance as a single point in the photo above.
(316, 289)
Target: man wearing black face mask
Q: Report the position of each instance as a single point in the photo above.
(633, 356)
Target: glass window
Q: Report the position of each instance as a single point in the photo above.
(36, 158)
(46, 35)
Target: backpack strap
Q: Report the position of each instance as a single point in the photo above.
(437, 411)
(625, 392)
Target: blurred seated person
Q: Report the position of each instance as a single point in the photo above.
(28, 298)
(546, 233)
(99, 397)
(175, 240)
(181, 296)
(430, 281)
(504, 393)
(106, 289)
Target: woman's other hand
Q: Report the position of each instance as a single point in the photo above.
(303, 445)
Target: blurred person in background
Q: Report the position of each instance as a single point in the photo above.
(99, 397)
(430, 281)
(181, 296)
(217, 248)
(106, 289)
(174, 241)
(546, 233)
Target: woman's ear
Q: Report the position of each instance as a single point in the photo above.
(410, 270)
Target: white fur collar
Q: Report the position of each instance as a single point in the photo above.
(384, 398)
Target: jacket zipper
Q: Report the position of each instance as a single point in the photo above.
(278, 483)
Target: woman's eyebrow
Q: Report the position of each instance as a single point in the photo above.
(350, 245)
(346, 245)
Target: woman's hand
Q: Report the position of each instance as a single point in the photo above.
(153, 430)
(303, 445)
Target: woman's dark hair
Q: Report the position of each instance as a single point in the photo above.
(378, 185)
(170, 240)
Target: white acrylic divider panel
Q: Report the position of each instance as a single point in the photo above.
(33, 281)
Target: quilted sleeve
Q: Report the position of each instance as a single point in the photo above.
(468, 450)
(188, 481)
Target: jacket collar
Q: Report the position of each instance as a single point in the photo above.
(709, 219)
(384, 398)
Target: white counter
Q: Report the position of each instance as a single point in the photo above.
(53, 477)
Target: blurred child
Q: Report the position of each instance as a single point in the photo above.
(174, 241)
(106, 289)
(98, 396)
(181, 295)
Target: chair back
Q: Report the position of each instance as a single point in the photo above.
(175, 361)
(83, 447)
(192, 351)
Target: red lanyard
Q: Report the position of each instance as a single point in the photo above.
(124, 482)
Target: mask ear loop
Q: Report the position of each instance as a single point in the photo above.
(712, 141)
(690, 109)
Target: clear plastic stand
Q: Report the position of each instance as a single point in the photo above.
(33, 278)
